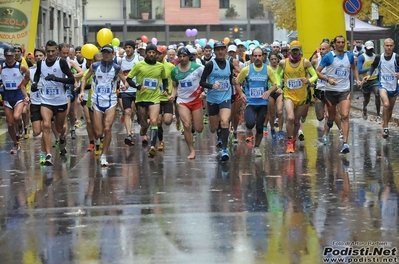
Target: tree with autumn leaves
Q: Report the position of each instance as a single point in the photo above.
(285, 13)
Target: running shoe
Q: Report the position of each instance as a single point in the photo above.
(219, 143)
(90, 147)
(301, 136)
(265, 131)
(144, 141)
(290, 146)
(56, 143)
(104, 162)
(97, 150)
(62, 146)
(73, 134)
(280, 135)
(15, 149)
(224, 156)
(122, 119)
(276, 122)
(303, 119)
(161, 146)
(78, 123)
(378, 119)
(178, 125)
(206, 119)
(341, 134)
(27, 133)
(42, 158)
(129, 140)
(324, 139)
(345, 148)
(235, 139)
(48, 161)
(364, 113)
(142, 131)
(152, 152)
(250, 138)
(274, 135)
(256, 152)
(385, 133)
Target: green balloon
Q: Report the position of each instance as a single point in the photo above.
(115, 42)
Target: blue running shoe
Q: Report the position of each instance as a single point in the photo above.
(225, 155)
(219, 144)
(281, 135)
(274, 135)
(345, 148)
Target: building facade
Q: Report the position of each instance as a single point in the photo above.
(61, 21)
(168, 19)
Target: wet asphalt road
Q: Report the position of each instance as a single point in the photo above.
(281, 208)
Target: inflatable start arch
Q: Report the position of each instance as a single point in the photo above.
(318, 19)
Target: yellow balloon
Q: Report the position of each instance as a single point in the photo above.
(104, 36)
(226, 40)
(88, 51)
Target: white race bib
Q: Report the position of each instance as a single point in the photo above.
(256, 92)
(294, 84)
(224, 86)
(52, 91)
(103, 89)
(186, 83)
(151, 84)
(388, 77)
(11, 85)
(341, 72)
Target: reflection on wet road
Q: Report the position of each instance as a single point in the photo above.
(281, 208)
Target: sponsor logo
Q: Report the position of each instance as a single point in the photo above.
(12, 20)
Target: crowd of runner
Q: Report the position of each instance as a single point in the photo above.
(50, 91)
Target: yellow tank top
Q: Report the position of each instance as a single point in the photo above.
(294, 87)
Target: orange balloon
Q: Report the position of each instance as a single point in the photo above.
(226, 40)
(144, 39)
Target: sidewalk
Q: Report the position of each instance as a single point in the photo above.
(357, 104)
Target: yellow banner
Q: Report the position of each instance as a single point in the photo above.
(316, 20)
(18, 22)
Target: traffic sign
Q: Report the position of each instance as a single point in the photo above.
(352, 7)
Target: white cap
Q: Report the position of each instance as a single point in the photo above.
(284, 44)
(369, 45)
(142, 45)
(232, 48)
(238, 43)
(276, 44)
(171, 47)
(191, 50)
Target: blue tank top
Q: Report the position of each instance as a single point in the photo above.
(224, 93)
(257, 85)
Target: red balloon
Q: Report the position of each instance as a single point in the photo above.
(144, 39)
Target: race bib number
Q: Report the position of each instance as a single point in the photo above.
(103, 90)
(11, 85)
(186, 84)
(52, 91)
(341, 72)
(388, 77)
(256, 92)
(294, 83)
(224, 86)
(150, 83)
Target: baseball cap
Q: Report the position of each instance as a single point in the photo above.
(238, 43)
(9, 51)
(295, 45)
(142, 46)
(161, 49)
(107, 48)
(232, 48)
(369, 45)
(29, 55)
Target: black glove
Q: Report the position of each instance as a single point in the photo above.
(33, 87)
(50, 77)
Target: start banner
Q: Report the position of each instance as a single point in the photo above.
(18, 22)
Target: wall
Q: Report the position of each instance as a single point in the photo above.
(209, 13)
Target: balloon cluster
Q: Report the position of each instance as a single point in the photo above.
(191, 32)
